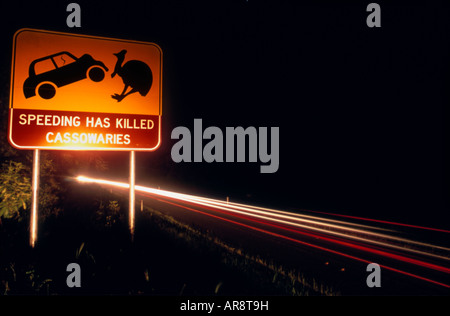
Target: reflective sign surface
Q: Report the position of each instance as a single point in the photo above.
(72, 91)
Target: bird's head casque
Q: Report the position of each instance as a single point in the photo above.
(121, 53)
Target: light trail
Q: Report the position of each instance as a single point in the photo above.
(283, 217)
(312, 245)
(296, 217)
(359, 247)
(351, 235)
(384, 222)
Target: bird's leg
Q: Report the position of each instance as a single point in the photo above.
(129, 92)
(121, 96)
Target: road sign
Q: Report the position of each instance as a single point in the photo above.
(79, 92)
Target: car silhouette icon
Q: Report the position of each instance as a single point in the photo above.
(48, 73)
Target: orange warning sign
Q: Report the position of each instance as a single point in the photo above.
(71, 91)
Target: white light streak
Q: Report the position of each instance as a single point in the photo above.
(317, 224)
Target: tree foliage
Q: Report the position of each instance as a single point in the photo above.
(15, 189)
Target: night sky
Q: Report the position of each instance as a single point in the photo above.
(362, 111)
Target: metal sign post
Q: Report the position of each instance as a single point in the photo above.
(132, 193)
(34, 198)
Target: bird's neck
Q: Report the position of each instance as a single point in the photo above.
(118, 64)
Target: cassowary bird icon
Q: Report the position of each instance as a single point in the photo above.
(135, 74)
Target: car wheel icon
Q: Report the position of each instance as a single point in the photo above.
(46, 90)
(96, 73)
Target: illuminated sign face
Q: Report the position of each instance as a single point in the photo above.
(71, 91)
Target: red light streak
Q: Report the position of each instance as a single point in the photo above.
(384, 222)
(294, 222)
(307, 225)
(337, 241)
(308, 244)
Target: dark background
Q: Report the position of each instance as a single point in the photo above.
(362, 111)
